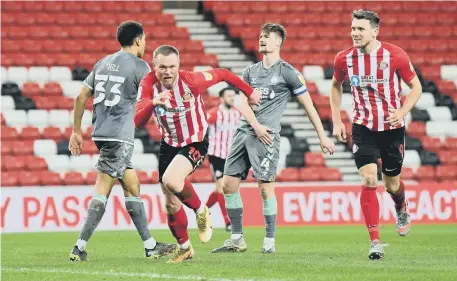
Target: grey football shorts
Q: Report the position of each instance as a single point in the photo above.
(115, 157)
(248, 151)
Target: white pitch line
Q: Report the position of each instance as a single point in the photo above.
(124, 274)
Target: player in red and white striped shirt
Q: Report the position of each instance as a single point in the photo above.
(375, 70)
(174, 96)
(223, 121)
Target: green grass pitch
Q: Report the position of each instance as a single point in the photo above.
(429, 252)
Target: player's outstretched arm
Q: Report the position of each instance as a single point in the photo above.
(76, 141)
(327, 144)
(261, 131)
(336, 91)
(211, 77)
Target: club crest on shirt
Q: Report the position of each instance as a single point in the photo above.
(274, 80)
(208, 76)
(383, 65)
(302, 79)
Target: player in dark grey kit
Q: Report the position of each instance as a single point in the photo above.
(277, 81)
(114, 82)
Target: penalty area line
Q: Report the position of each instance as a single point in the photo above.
(125, 274)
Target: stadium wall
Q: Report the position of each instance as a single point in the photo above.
(40, 209)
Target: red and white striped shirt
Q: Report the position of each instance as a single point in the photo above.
(222, 126)
(375, 82)
(184, 120)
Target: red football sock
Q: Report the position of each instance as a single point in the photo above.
(189, 197)
(370, 208)
(221, 200)
(212, 199)
(178, 226)
(399, 197)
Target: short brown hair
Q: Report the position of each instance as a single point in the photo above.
(372, 17)
(277, 28)
(166, 50)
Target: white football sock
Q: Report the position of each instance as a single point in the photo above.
(81, 244)
(185, 245)
(150, 243)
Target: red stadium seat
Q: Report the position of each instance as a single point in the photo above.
(3, 121)
(91, 177)
(331, 174)
(29, 178)
(8, 6)
(10, 178)
(53, 133)
(7, 148)
(106, 19)
(143, 177)
(30, 133)
(50, 178)
(23, 148)
(151, 7)
(416, 129)
(31, 89)
(309, 174)
(45, 103)
(314, 159)
(89, 147)
(53, 7)
(73, 178)
(66, 103)
(38, 33)
(407, 173)
(34, 163)
(426, 173)
(44, 19)
(451, 143)
(52, 89)
(431, 143)
(445, 172)
(155, 177)
(448, 157)
(13, 163)
(289, 175)
(9, 133)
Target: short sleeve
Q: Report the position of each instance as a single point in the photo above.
(295, 81)
(338, 68)
(145, 89)
(141, 70)
(403, 67)
(90, 79)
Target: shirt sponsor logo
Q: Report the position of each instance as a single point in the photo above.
(363, 81)
(355, 80)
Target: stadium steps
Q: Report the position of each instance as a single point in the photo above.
(213, 38)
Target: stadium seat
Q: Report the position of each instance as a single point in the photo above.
(81, 163)
(37, 118)
(29, 178)
(289, 174)
(73, 178)
(13, 163)
(44, 147)
(448, 157)
(451, 143)
(59, 118)
(323, 87)
(138, 146)
(10, 178)
(7, 148)
(52, 89)
(432, 143)
(39, 73)
(71, 88)
(426, 173)
(441, 129)
(24, 147)
(91, 177)
(31, 89)
(52, 133)
(314, 159)
(30, 133)
(34, 163)
(57, 163)
(439, 113)
(449, 72)
(9, 133)
(426, 101)
(89, 147)
(411, 159)
(7, 103)
(309, 174)
(48, 178)
(65, 103)
(4, 75)
(416, 129)
(407, 173)
(15, 118)
(18, 74)
(445, 172)
(146, 162)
